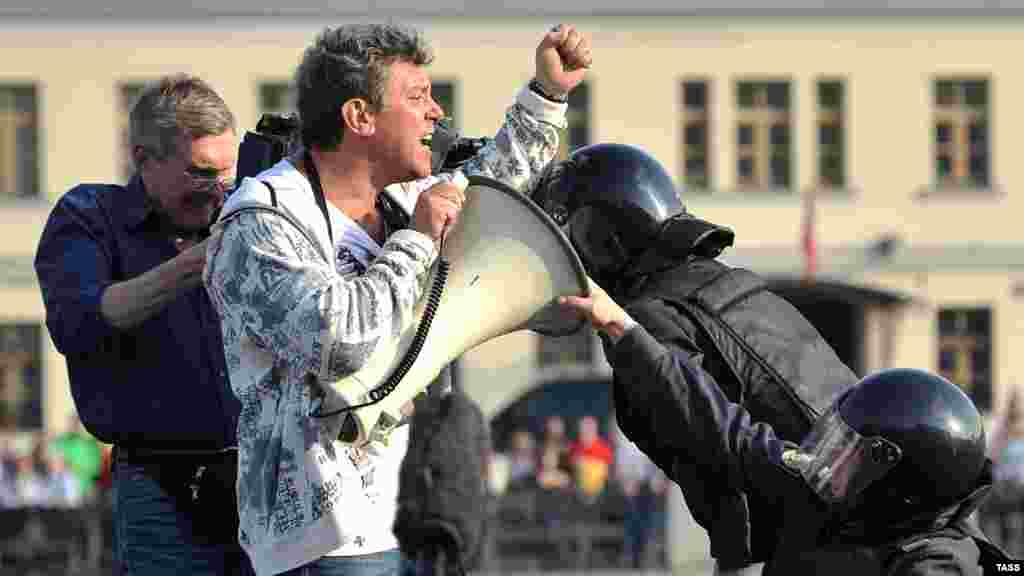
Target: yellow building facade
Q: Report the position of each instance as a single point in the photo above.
(901, 128)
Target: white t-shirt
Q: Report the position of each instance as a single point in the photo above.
(370, 492)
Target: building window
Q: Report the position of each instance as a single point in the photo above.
(128, 93)
(443, 92)
(763, 135)
(21, 394)
(696, 129)
(577, 116)
(277, 98)
(965, 351)
(962, 156)
(831, 114)
(19, 141)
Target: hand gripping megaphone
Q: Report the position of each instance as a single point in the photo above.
(502, 268)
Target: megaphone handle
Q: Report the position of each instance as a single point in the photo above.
(444, 233)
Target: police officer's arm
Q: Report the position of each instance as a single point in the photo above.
(674, 394)
(676, 333)
(669, 405)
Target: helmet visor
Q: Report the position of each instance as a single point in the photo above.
(838, 463)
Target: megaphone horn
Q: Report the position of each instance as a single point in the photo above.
(503, 266)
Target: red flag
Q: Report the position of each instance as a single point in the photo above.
(808, 242)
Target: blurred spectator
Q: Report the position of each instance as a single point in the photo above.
(38, 477)
(31, 485)
(556, 439)
(1003, 514)
(522, 459)
(551, 475)
(105, 481)
(82, 453)
(591, 459)
(553, 503)
(643, 486)
(8, 473)
(498, 473)
(1006, 445)
(63, 489)
(554, 435)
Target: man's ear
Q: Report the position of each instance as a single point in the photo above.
(357, 117)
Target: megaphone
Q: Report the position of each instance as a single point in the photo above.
(503, 266)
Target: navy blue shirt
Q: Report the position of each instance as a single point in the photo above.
(161, 384)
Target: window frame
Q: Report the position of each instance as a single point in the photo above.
(128, 92)
(451, 110)
(963, 342)
(960, 116)
(28, 360)
(696, 116)
(266, 85)
(762, 118)
(835, 117)
(12, 178)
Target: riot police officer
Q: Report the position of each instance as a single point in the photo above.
(885, 482)
(625, 219)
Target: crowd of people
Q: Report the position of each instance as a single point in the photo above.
(1002, 516)
(44, 470)
(586, 476)
(71, 469)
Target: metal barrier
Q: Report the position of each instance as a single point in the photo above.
(527, 532)
(54, 541)
(533, 531)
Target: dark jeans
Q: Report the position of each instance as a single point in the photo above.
(387, 563)
(160, 529)
(644, 519)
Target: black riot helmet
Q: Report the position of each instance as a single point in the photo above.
(623, 213)
(901, 442)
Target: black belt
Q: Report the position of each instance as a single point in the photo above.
(201, 482)
(131, 453)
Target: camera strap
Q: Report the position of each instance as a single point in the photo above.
(318, 192)
(394, 217)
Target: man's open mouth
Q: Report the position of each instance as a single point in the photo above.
(427, 140)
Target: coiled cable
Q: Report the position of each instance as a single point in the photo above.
(349, 430)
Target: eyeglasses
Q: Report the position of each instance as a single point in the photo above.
(209, 183)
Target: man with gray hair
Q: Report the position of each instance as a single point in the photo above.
(119, 269)
(311, 267)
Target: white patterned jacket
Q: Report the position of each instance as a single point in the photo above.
(292, 310)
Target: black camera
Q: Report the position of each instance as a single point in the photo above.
(275, 135)
(449, 150)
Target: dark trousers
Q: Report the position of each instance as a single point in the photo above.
(386, 563)
(176, 514)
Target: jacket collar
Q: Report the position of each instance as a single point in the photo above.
(134, 207)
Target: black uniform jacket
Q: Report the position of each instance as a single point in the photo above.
(764, 355)
(677, 414)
